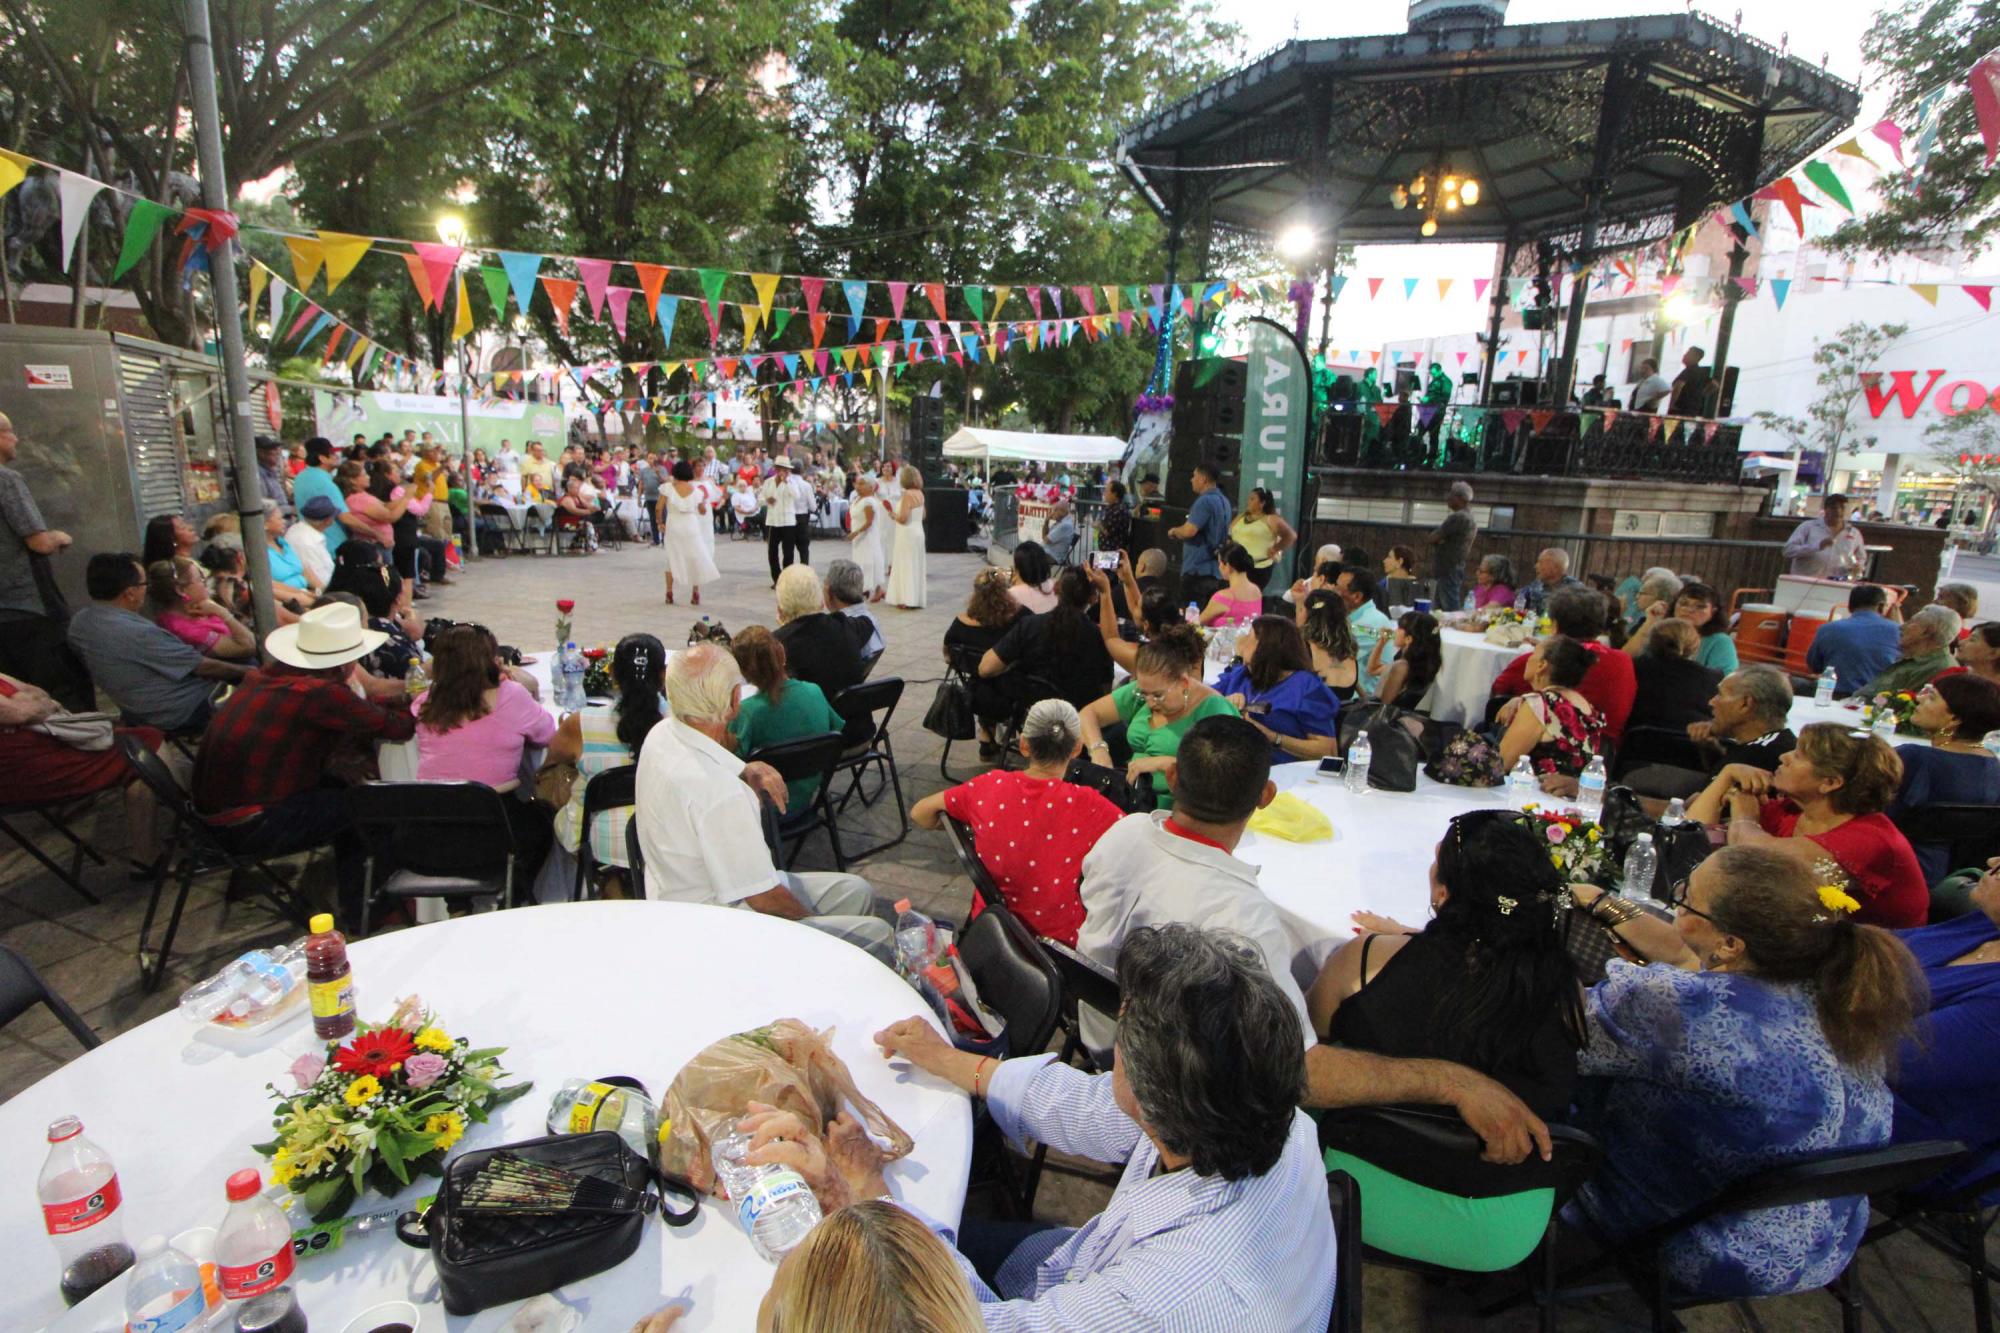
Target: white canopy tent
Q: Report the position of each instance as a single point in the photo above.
(1028, 446)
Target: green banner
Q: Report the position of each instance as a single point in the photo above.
(346, 413)
(1277, 391)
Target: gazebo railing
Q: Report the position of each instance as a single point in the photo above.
(1533, 442)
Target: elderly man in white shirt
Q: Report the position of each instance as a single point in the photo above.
(307, 538)
(700, 828)
(1827, 547)
(785, 518)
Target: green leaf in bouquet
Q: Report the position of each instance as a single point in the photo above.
(267, 1149)
(501, 1096)
(392, 1154)
(328, 1197)
(485, 1053)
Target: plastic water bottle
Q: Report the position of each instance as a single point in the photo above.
(1885, 724)
(582, 1107)
(1523, 789)
(164, 1293)
(1193, 614)
(79, 1192)
(246, 987)
(1358, 755)
(1471, 602)
(1992, 743)
(569, 688)
(1823, 692)
(253, 1250)
(1642, 865)
(916, 941)
(1590, 789)
(1676, 814)
(775, 1205)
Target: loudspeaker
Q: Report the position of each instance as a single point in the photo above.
(1725, 406)
(1208, 397)
(1538, 319)
(1222, 453)
(947, 519)
(927, 434)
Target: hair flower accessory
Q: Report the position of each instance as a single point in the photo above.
(1835, 899)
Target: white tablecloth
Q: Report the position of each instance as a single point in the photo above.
(1465, 680)
(1846, 712)
(573, 991)
(1378, 861)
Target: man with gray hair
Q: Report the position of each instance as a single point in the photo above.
(1551, 576)
(846, 595)
(1749, 724)
(1962, 598)
(1926, 641)
(700, 826)
(1451, 544)
(1060, 539)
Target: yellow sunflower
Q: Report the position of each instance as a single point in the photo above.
(447, 1126)
(432, 1039)
(362, 1089)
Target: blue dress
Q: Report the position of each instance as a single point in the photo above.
(1692, 1080)
(1938, 777)
(1299, 706)
(1947, 1083)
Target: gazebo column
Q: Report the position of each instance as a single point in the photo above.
(1511, 248)
(1739, 253)
(1621, 83)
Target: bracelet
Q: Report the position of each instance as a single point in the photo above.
(1619, 912)
(978, 1071)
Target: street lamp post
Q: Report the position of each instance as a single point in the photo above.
(452, 231)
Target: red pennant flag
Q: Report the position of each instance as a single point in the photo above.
(439, 262)
(1985, 81)
(1786, 191)
(1386, 412)
(712, 312)
(652, 277)
(1512, 419)
(935, 290)
(1374, 286)
(1749, 285)
(881, 328)
(1541, 417)
(811, 287)
(1652, 428)
(1610, 415)
(1982, 294)
(562, 295)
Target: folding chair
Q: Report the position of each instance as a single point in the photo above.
(1085, 983)
(961, 666)
(22, 988)
(1029, 691)
(635, 858)
(1839, 1175)
(194, 848)
(810, 756)
(513, 535)
(443, 840)
(876, 700)
(1435, 1150)
(56, 815)
(1953, 1222)
(1343, 1197)
(1016, 979)
(610, 790)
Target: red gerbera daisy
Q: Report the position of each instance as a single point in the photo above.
(377, 1053)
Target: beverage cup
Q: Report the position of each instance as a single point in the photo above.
(1424, 605)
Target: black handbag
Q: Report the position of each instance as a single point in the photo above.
(485, 1259)
(1679, 848)
(950, 713)
(1396, 749)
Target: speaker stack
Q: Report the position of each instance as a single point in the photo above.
(926, 449)
(1208, 425)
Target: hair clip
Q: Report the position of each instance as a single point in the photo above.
(1507, 905)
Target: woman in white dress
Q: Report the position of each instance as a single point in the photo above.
(683, 517)
(906, 558)
(871, 526)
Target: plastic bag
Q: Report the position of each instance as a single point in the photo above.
(1292, 819)
(787, 1065)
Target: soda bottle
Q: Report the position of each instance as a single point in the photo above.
(80, 1196)
(253, 1250)
(580, 1107)
(329, 980)
(273, 1312)
(164, 1293)
(775, 1205)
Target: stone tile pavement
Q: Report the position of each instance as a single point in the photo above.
(87, 952)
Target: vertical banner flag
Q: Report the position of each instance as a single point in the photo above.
(1277, 389)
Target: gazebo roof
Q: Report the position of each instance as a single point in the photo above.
(1684, 113)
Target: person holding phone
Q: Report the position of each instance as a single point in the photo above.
(1274, 687)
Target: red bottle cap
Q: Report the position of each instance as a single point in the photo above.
(902, 904)
(244, 1184)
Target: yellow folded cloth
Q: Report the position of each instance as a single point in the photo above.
(1292, 819)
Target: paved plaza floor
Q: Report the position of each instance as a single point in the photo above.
(86, 952)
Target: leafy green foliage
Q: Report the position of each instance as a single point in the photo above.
(1829, 424)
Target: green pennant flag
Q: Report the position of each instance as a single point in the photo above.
(141, 226)
(976, 298)
(1821, 173)
(1132, 300)
(496, 288)
(712, 280)
(780, 316)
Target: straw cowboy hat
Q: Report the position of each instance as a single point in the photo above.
(326, 636)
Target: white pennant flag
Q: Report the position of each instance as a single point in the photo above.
(278, 290)
(76, 192)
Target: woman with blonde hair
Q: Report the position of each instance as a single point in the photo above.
(178, 600)
(906, 553)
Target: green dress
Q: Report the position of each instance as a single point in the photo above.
(1148, 741)
(802, 711)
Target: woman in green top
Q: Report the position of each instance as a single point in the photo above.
(783, 709)
(1163, 699)
(1701, 606)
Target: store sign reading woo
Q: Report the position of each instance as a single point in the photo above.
(1949, 399)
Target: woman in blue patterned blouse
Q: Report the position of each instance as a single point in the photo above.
(1760, 1032)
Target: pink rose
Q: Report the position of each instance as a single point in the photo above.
(423, 1069)
(1557, 833)
(307, 1068)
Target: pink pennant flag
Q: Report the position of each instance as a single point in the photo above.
(1889, 132)
(1985, 81)
(1088, 296)
(1981, 294)
(1749, 285)
(1035, 299)
(439, 262)
(621, 298)
(1374, 286)
(812, 287)
(711, 311)
(595, 274)
(1479, 286)
(1668, 282)
(1512, 419)
(1461, 358)
(897, 291)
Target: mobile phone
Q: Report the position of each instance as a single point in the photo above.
(1105, 560)
(1333, 764)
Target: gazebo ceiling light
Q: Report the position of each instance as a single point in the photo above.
(1451, 192)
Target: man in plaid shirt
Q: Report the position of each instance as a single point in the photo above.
(261, 775)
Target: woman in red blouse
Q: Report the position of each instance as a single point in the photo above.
(1032, 829)
(1824, 806)
(36, 767)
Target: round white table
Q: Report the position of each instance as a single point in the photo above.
(1465, 678)
(1378, 860)
(1847, 712)
(575, 990)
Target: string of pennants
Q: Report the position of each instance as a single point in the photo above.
(1658, 426)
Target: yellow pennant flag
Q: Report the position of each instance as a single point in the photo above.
(308, 257)
(1000, 295)
(766, 285)
(1444, 288)
(847, 358)
(462, 323)
(1111, 299)
(361, 346)
(751, 318)
(342, 253)
(259, 276)
(1852, 147)
(868, 377)
(13, 170)
(1927, 290)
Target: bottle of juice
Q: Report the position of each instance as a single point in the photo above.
(329, 980)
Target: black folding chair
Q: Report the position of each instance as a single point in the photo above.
(195, 848)
(1085, 984)
(1644, 747)
(612, 789)
(964, 846)
(1028, 690)
(1343, 1197)
(1839, 1175)
(1953, 1222)
(57, 815)
(809, 757)
(1970, 833)
(513, 535)
(22, 988)
(635, 857)
(961, 666)
(1436, 1150)
(434, 840)
(875, 700)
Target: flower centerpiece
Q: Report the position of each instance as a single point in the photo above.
(374, 1112)
(1509, 627)
(563, 608)
(597, 682)
(1576, 845)
(1899, 704)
